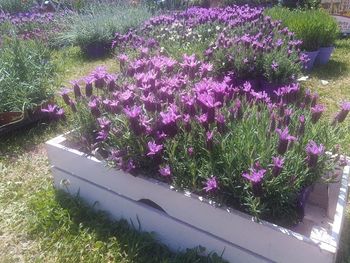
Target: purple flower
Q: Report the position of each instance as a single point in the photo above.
(54, 112)
(343, 161)
(94, 107)
(88, 85)
(165, 171)
(154, 148)
(287, 115)
(205, 68)
(208, 104)
(220, 123)
(187, 122)
(133, 113)
(209, 139)
(344, 110)
(168, 120)
(102, 135)
(274, 66)
(314, 99)
(123, 58)
(203, 120)
(129, 166)
(284, 139)
(313, 152)
(301, 128)
(255, 175)
(104, 123)
(64, 93)
(237, 112)
(190, 151)
(211, 184)
(76, 88)
(277, 165)
(317, 111)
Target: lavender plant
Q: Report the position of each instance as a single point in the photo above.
(173, 121)
(32, 25)
(96, 25)
(26, 74)
(238, 39)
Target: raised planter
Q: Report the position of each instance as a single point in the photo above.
(183, 220)
(324, 55)
(312, 57)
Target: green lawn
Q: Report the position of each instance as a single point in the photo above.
(37, 224)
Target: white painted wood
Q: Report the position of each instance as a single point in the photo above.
(264, 239)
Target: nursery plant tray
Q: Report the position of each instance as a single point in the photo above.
(10, 121)
(184, 220)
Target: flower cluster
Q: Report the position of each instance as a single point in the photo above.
(172, 120)
(236, 38)
(32, 25)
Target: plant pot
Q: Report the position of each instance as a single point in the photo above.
(96, 50)
(184, 220)
(10, 117)
(324, 55)
(312, 57)
(10, 121)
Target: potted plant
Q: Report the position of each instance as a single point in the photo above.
(93, 29)
(26, 77)
(328, 35)
(307, 25)
(188, 147)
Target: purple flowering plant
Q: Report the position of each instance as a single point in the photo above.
(236, 38)
(164, 119)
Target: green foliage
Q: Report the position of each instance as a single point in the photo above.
(316, 28)
(26, 74)
(166, 4)
(13, 6)
(97, 24)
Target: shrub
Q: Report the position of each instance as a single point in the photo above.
(97, 24)
(314, 27)
(26, 75)
(32, 25)
(14, 6)
(170, 120)
(237, 39)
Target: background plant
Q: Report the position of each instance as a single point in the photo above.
(97, 24)
(314, 27)
(14, 6)
(26, 74)
(237, 38)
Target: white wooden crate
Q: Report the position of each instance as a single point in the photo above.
(186, 220)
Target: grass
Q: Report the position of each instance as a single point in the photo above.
(38, 224)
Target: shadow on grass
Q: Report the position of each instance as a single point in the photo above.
(69, 222)
(331, 71)
(27, 138)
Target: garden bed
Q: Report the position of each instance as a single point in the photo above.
(174, 215)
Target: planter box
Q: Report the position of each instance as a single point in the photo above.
(183, 220)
